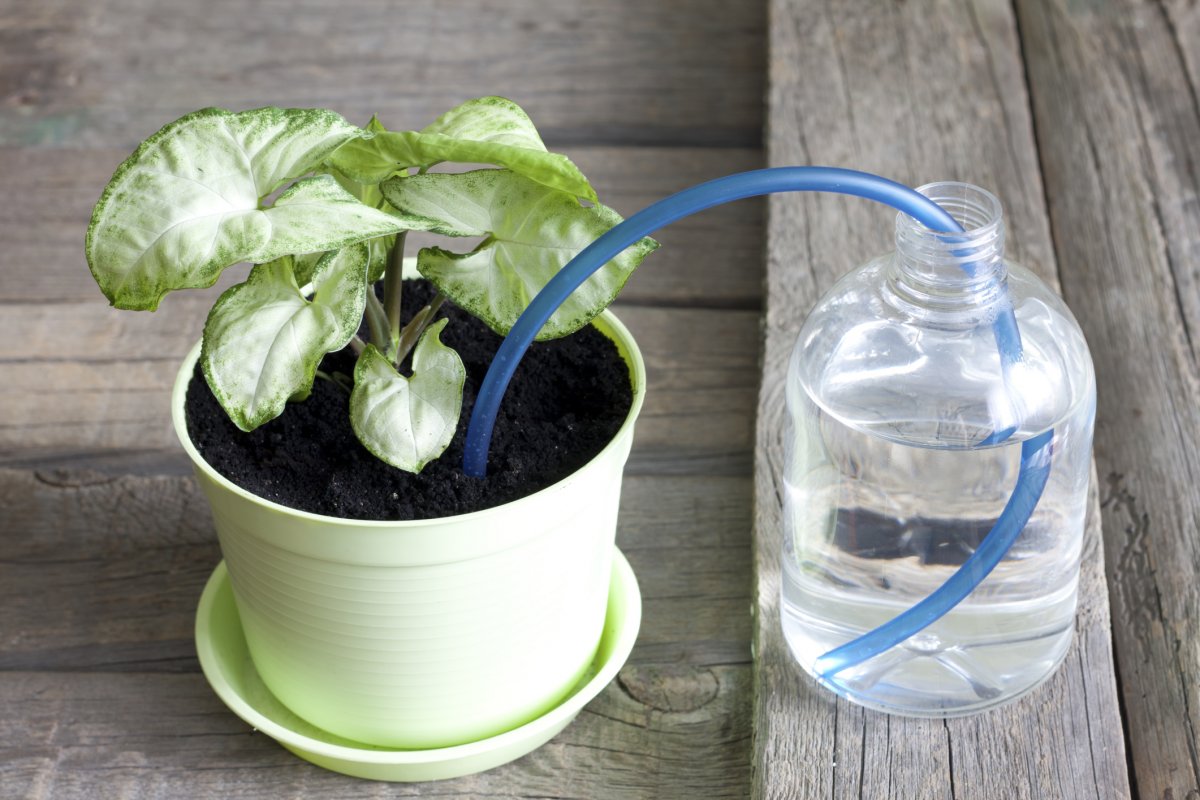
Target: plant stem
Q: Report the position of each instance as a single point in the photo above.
(334, 380)
(358, 345)
(377, 322)
(393, 285)
(417, 325)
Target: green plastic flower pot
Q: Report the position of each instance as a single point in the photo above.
(428, 633)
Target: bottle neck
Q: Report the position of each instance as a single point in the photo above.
(953, 273)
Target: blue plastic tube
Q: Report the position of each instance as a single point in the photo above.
(1031, 480)
(1035, 452)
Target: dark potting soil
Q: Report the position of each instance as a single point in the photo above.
(566, 401)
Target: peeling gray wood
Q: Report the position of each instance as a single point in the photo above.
(1161, 42)
(78, 736)
(100, 572)
(1118, 124)
(100, 75)
(106, 461)
(917, 94)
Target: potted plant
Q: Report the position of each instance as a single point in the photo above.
(417, 633)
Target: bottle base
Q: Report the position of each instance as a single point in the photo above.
(871, 690)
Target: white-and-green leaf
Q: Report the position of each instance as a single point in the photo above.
(304, 266)
(532, 230)
(408, 422)
(317, 214)
(369, 194)
(488, 130)
(187, 203)
(263, 340)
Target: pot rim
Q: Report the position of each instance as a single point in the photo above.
(608, 325)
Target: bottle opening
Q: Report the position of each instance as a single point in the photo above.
(935, 269)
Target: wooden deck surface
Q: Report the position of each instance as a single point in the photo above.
(1082, 117)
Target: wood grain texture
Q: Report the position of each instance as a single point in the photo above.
(79, 736)
(99, 75)
(1113, 88)
(916, 94)
(713, 259)
(1162, 42)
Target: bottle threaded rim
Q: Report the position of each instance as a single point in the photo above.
(937, 269)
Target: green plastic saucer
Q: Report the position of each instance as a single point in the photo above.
(226, 662)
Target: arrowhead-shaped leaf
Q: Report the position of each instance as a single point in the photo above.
(488, 130)
(263, 340)
(408, 422)
(532, 230)
(186, 204)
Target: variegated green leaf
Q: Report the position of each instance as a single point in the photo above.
(187, 203)
(263, 340)
(488, 130)
(380, 249)
(369, 194)
(317, 214)
(337, 216)
(408, 422)
(532, 230)
(304, 265)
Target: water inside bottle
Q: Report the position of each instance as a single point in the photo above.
(877, 517)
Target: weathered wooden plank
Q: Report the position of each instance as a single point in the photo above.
(688, 541)
(125, 560)
(917, 94)
(1048, 742)
(106, 576)
(111, 389)
(73, 736)
(1118, 129)
(1183, 21)
(1161, 43)
(711, 260)
(615, 71)
(106, 461)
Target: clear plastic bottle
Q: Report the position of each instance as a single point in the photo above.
(891, 482)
